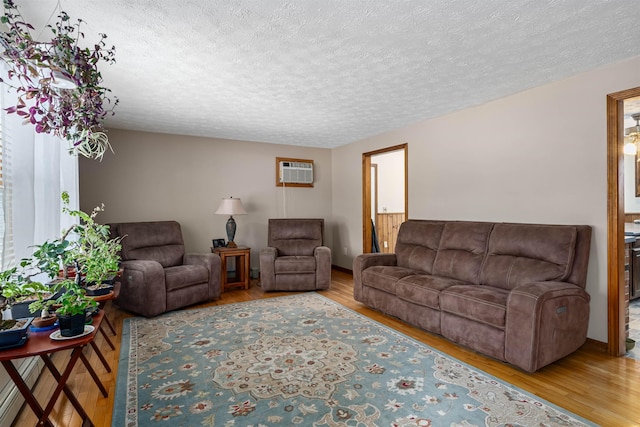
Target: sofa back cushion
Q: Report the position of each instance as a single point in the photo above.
(523, 253)
(159, 241)
(462, 250)
(295, 236)
(417, 244)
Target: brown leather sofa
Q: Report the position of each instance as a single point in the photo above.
(157, 274)
(511, 291)
(295, 259)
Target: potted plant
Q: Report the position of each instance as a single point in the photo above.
(58, 83)
(13, 332)
(94, 254)
(87, 245)
(73, 305)
(18, 291)
(17, 284)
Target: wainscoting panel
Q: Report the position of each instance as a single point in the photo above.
(387, 226)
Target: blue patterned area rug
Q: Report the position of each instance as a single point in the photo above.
(304, 360)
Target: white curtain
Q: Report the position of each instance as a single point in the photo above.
(36, 169)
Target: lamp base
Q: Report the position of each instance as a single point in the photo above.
(232, 245)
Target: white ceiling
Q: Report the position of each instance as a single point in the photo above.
(325, 73)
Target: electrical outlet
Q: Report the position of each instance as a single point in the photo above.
(345, 250)
(385, 244)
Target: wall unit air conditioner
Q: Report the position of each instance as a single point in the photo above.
(296, 172)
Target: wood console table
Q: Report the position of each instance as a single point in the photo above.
(242, 254)
(39, 344)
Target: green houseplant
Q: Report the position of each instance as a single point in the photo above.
(58, 83)
(86, 244)
(16, 286)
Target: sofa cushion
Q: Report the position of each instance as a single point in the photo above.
(478, 303)
(182, 276)
(461, 251)
(424, 289)
(295, 264)
(159, 241)
(524, 253)
(385, 277)
(417, 244)
(295, 236)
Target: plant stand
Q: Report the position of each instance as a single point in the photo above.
(39, 344)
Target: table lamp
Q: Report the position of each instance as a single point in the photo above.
(231, 207)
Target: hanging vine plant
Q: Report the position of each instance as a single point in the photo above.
(58, 83)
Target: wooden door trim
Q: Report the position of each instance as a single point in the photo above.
(366, 204)
(366, 190)
(615, 222)
(374, 167)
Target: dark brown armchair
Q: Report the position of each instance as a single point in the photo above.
(157, 274)
(295, 259)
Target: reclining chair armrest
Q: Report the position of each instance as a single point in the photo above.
(549, 318)
(364, 261)
(268, 257)
(323, 267)
(213, 265)
(142, 288)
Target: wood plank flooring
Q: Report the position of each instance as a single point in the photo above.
(601, 388)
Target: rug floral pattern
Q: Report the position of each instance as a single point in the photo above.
(303, 360)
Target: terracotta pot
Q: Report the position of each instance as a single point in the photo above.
(39, 322)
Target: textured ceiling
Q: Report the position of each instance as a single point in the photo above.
(326, 73)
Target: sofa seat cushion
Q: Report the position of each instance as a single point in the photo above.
(424, 289)
(182, 276)
(483, 304)
(385, 277)
(295, 264)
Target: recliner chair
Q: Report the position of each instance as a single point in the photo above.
(157, 274)
(295, 259)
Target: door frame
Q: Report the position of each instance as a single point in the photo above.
(366, 190)
(616, 302)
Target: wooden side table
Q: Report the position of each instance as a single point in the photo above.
(242, 254)
(39, 344)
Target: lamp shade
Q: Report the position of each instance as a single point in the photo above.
(231, 206)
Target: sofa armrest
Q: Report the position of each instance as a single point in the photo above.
(545, 322)
(364, 261)
(323, 267)
(213, 264)
(268, 257)
(142, 288)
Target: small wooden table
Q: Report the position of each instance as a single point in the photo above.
(39, 344)
(242, 254)
(102, 300)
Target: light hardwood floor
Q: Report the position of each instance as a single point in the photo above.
(601, 388)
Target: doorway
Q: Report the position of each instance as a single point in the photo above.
(617, 300)
(384, 197)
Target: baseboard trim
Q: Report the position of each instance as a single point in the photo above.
(596, 345)
(342, 269)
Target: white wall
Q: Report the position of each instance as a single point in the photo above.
(169, 177)
(631, 202)
(390, 181)
(539, 156)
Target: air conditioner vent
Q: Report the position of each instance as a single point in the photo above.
(296, 173)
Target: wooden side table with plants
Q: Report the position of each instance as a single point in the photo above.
(88, 247)
(43, 344)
